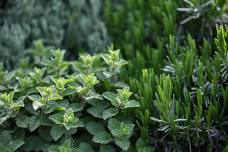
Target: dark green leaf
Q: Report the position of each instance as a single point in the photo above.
(132, 104)
(102, 138)
(110, 96)
(122, 142)
(77, 106)
(86, 147)
(94, 127)
(110, 112)
(96, 111)
(57, 132)
(74, 124)
(56, 118)
(33, 123)
(106, 148)
(22, 122)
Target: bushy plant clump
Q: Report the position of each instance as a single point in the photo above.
(141, 29)
(50, 104)
(186, 106)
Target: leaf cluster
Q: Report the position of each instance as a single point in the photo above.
(56, 105)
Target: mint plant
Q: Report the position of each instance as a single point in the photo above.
(87, 82)
(65, 105)
(47, 94)
(68, 120)
(87, 63)
(7, 101)
(113, 60)
(121, 100)
(121, 131)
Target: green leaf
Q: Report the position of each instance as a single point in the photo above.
(14, 145)
(92, 95)
(124, 94)
(65, 149)
(68, 116)
(44, 133)
(36, 105)
(96, 111)
(1, 103)
(122, 62)
(45, 121)
(37, 74)
(53, 148)
(55, 97)
(56, 106)
(34, 98)
(122, 142)
(4, 148)
(66, 146)
(94, 127)
(56, 118)
(77, 106)
(86, 147)
(132, 103)
(70, 121)
(110, 112)
(60, 83)
(114, 127)
(74, 124)
(36, 101)
(106, 148)
(5, 137)
(89, 80)
(5, 114)
(7, 98)
(69, 91)
(120, 129)
(18, 103)
(113, 59)
(40, 145)
(11, 142)
(49, 93)
(21, 121)
(57, 132)
(121, 100)
(110, 96)
(107, 74)
(102, 138)
(33, 123)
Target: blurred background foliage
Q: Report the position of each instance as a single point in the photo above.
(73, 25)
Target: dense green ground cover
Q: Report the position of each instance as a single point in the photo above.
(161, 86)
